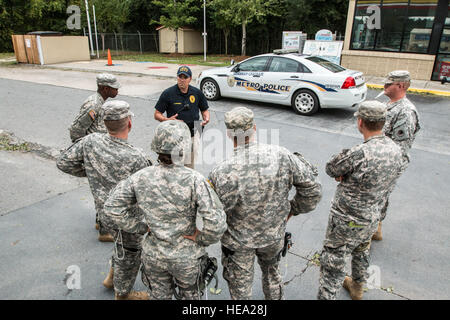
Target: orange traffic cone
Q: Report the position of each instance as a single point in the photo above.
(109, 59)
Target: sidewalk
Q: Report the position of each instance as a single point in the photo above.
(417, 86)
(144, 68)
(169, 70)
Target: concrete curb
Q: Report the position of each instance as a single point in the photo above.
(414, 90)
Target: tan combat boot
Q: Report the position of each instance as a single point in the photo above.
(133, 295)
(354, 288)
(105, 237)
(108, 282)
(378, 235)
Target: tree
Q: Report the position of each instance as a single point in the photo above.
(176, 14)
(223, 17)
(311, 16)
(248, 10)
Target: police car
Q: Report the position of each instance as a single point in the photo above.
(305, 82)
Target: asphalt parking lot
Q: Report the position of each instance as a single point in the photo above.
(47, 218)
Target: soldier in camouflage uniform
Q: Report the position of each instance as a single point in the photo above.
(366, 173)
(253, 186)
(90, 117)
(106, 159)
(402, 121)
(170, 196)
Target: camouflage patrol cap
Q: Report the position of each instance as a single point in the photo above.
(108, 80)
(239, 118)
(397, 76)
(371, 110)
(116, 110)
(171, 136)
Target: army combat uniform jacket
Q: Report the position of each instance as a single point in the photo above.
(170, 197)
(105, 160)
(369, 171)
(254, 185)
(402, 124)
(90, 118)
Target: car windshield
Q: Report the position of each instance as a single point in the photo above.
(326, 64)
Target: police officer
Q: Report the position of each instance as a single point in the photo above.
(170, 196)
(253, 186)
(366, 173)
(402, 121)
(107, 159)
(183, 102)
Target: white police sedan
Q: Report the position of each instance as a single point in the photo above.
(307, 83)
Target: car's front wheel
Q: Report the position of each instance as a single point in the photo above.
(210, 89)
(305, 102)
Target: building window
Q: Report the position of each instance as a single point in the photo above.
(362, 36)
(405, 26)
(442, 64)
(393, 18)
(416, 37)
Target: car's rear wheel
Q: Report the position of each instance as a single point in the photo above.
(305, 102)
(210, 89)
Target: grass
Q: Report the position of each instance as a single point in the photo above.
(211, 60)
(6, 55)
(8, 145)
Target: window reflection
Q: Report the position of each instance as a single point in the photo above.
(363, 37)
(405, 26)
(419, 25)
(393, 18)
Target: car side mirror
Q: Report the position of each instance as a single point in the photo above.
(236, 69)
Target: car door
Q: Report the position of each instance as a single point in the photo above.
(282, 76)
(245, 79)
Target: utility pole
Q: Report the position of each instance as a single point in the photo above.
(204, 30)
(96, 37)
(89, 27)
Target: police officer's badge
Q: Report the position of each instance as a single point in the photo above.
(192, 99)
(231, 81)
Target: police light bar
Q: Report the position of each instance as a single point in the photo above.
(282, 51)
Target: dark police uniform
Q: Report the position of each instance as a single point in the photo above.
(187, 105)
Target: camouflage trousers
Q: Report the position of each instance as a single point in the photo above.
(126, 261)
(238, 271)
(161, 275)
(341, 241)
(386, 204)
(99, 216)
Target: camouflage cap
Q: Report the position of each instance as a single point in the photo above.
(116, 110)
(371, 110)
(170, 136)
(239, 118)
(397, 76)
(108, 80)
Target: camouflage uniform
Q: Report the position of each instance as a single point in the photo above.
(369, 171)
(170, 197)
(253, 186)
(402, 123)
(90, 117)
(106, 160)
